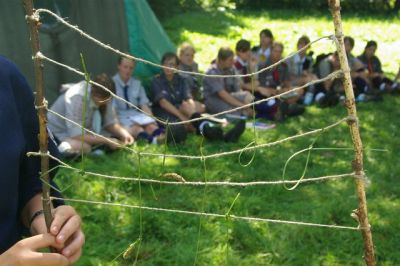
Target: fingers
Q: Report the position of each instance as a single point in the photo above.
(48, 259)
(74, 258)
(40, 241)
(71, 226)
(128, 140)
(66, 222)
(74, 245)
(61, 215)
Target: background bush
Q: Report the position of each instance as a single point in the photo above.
(165, 9)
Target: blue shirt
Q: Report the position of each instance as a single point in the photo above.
(175, 91)
(19, 175)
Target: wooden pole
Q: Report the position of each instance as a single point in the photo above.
(40, 102)
(361, 212)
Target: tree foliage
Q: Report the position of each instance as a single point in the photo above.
(165, 9)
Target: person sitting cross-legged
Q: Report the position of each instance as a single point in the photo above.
(173, 102)
(277, 79)
(138, 124)
(300, 69)
(224, 93)
(375, 72)
(359, 75)
(187, 63)
(99, 114)
(245, 63)
(263, 51)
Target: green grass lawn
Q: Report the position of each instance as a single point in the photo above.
(175, 239)
(209, 31)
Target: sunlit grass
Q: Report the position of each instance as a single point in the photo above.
(225, 28)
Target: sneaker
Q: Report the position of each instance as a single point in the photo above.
(234, 134)
(333, 99)
(323, 102)
(212, 132)
(176, 134)
(308, 98)
(395, 89)
(159, 139)
(295, 109)
(97, 152)
(373, 98)
(281, 113)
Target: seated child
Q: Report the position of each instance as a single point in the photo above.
(277, 79)
(246, 63)
(138, 124)
(187, 63)
(173, 102)
(223, 94)
(358, 73)
(263, 51)
(300, 69)
(375, 73)
(100, 117)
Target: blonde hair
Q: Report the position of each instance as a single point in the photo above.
(185, 47)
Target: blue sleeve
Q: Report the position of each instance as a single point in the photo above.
(29, 179)
(187, 91)
(157, 90)
(378, 65)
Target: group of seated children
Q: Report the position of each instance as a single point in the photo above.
(177, 96)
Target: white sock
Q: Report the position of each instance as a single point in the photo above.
(319, 96)
(64, 147)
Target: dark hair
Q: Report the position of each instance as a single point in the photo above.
(370, 44)
(243, 45)
(106, 81)
(120, 58)
(303, 39)
(350, 40)
(169, 55)
(224, 53)
(267, 32)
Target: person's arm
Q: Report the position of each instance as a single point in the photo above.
(264, 91)
(144, 101)
(145, 108)
(286, 85)
(74, 109)
(285, 81)
(29, 196)
(170, 108)
(121, 133)
(112, 125)
(95, 140)
(324, 70)
(226, 97)
(358, 69)
(249, 86)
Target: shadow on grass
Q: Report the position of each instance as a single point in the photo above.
(171, 239)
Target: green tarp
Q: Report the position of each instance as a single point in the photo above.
(127, 25)
(147, 39)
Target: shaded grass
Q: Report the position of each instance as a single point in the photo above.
(171, 239)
